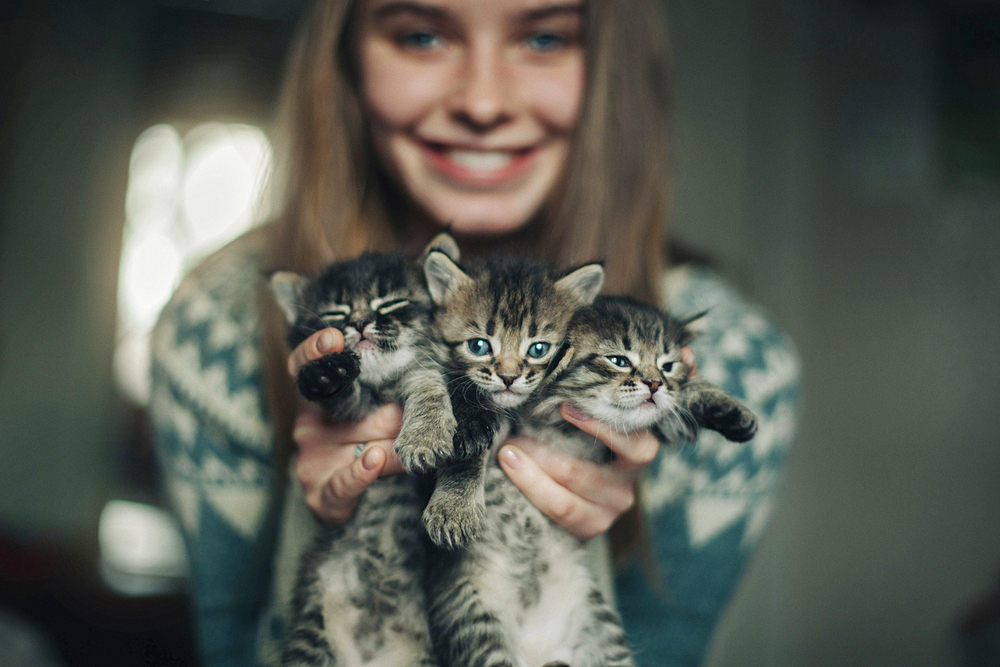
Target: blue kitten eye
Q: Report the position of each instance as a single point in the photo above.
(621, 362)
(538, 350)
(479, 346)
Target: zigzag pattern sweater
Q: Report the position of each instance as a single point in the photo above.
(706, 503)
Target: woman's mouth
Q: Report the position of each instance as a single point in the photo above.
(478, 167)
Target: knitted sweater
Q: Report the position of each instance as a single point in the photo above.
(706, 503)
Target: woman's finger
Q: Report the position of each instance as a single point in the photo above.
(319, 344)
(608, 485)
(635, 449)
(581, 517)
(687, 358)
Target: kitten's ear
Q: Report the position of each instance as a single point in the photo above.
(443, 276)
(288, 288)
(692, 327)
(584, 283)
(444, 242)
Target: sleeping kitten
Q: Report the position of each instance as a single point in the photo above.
(360, 598)
(522, 594)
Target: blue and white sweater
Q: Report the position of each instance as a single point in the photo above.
(706, 503)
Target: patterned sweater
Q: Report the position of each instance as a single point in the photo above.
(706, 503)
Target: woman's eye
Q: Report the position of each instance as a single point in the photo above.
(538, 350)
(621, 362)
(479, 346)
(546, 41)
(421, 40)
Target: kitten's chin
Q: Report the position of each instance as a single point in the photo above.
(508, 398)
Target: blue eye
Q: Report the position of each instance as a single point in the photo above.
(479, 346)
(538, 350)
(421, 40)
(621, 362)
(546, 41)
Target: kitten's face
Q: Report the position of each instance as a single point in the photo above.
(375, 301)
(505, 323)
(627, 364)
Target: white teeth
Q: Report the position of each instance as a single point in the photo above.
(481, 160)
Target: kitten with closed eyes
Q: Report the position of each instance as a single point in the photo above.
(359, 598)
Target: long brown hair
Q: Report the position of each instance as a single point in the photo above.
(611, 204)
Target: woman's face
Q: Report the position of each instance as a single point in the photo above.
(472, 103)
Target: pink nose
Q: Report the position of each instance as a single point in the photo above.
(653, 385)
(508, 380)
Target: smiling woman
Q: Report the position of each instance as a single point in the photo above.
(472, 105)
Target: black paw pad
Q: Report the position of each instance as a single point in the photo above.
(328, 376)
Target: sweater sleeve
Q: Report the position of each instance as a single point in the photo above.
(215, 450)
(708, 502)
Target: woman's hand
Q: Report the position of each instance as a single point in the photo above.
(333, 476)
(584, 498)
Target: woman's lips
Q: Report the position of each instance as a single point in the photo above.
(479, 167)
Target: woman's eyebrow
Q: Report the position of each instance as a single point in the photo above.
(390, 9)
(552, 10)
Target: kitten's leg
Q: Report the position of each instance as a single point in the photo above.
(715, 409)
(426, 440)
(329, 377)
(477, 423)
(455, 513)
(360, 598)
(465, 630)
(603, 641)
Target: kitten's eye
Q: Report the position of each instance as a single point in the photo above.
(392, 305)
(621, 362)
(538, 350)
(479, 346)
(668, 366)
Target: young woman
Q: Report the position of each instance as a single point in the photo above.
(535, 126)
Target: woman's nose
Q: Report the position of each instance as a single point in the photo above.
(481, 98)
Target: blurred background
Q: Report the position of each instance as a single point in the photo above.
(839, 160)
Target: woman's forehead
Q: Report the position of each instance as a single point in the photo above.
(510, 9)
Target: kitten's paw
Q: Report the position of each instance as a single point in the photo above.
(734, 422)
(426, 447)
(327, 376)
(452, 526)
(473, 437)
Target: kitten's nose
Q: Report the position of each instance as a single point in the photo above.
(508, 380)
(653, 385)
(359, 325)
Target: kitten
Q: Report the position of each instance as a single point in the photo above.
(521, 594)
(502, 320)
(491, 602)
(359, 598)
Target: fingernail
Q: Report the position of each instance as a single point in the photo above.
(575, 413)
(510, 457)
(369, 460)
(326, 341)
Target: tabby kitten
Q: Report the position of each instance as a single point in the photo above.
(522, 595)
(359, 598)
(502, 320)
(622, 365)
(492, 603)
